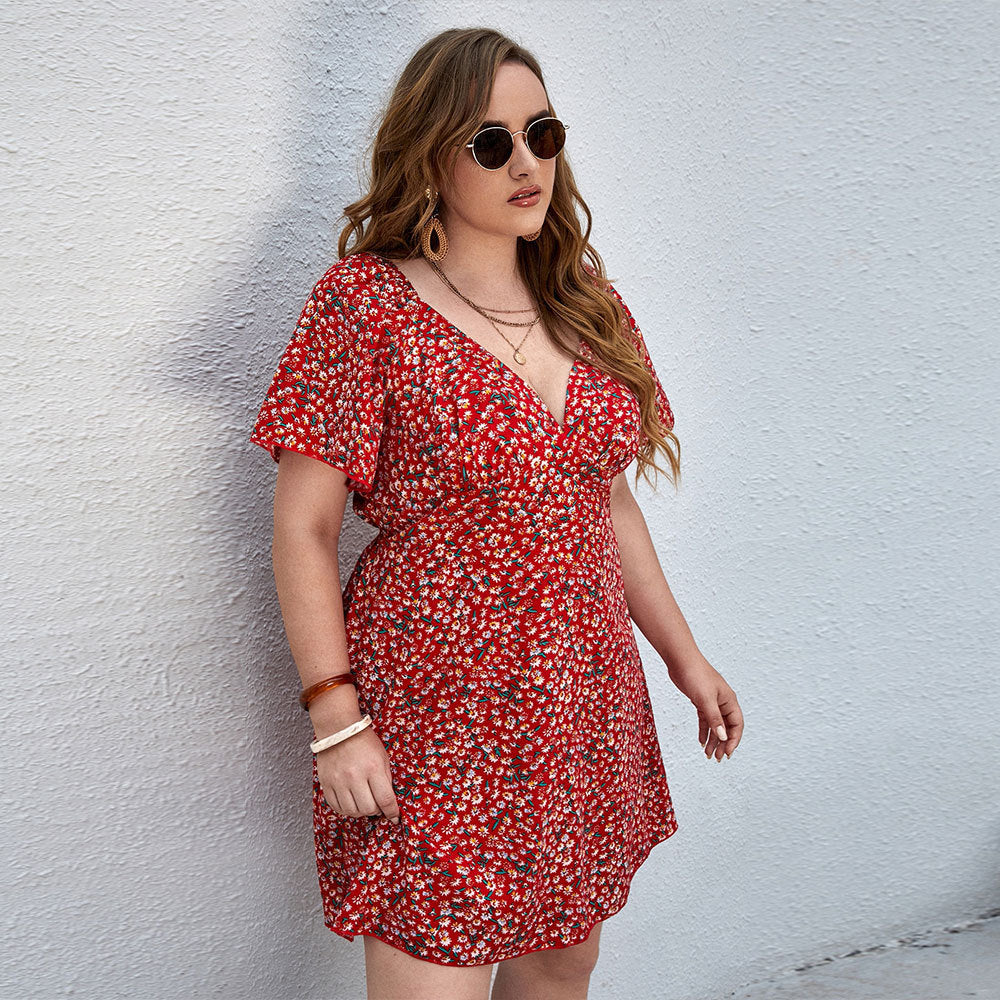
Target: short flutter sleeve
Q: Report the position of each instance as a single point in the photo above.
(327, 398)
(663, 409)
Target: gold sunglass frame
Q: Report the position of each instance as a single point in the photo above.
(513, 135)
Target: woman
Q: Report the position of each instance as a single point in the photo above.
(486, 775)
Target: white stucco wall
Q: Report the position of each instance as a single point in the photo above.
(798, 201)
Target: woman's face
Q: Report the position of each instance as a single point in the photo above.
(480, 198)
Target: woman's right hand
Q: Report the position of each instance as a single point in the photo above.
(355, 777)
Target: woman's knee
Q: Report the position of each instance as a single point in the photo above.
(567, 965)
(394, 974)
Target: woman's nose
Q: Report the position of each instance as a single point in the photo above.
(522, 150)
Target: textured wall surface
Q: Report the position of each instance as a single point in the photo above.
(798, 201)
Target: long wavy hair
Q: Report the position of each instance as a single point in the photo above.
(439, 99)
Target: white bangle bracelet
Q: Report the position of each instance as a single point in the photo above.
(328, 741)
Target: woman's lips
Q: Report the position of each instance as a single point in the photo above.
(526, 202)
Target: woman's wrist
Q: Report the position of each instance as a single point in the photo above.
(334, 709)
(691, 662)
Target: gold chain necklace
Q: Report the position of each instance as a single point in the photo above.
(482, 309)
(518, 356)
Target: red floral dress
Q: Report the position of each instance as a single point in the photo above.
(486, 624)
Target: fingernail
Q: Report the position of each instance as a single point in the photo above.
(721, 730)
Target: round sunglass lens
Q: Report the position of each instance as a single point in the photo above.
(493, 148)
(546, 138)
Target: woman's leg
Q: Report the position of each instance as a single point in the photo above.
(550, 974)
(392, 974)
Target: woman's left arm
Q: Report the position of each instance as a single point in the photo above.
(653, 608)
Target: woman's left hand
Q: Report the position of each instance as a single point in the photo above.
(720, 719)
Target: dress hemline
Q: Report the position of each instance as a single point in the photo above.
(579, 938)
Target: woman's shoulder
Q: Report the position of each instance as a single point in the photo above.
(607, 285)
(356, 300)
(363, 278)
(604, 284)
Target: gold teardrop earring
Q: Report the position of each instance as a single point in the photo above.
(433, 225)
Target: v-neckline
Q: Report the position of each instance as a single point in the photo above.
(561, 427)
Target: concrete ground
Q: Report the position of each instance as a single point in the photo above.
(943, 965)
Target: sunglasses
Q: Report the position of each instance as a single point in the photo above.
(494, 146)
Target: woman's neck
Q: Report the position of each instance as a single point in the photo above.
(479, 263)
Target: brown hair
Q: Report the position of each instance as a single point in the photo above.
(439, 99)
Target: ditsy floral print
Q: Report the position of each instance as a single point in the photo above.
(486, 624)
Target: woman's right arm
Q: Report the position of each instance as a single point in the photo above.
(309, 503)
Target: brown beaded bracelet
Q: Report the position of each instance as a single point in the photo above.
(320, 686)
